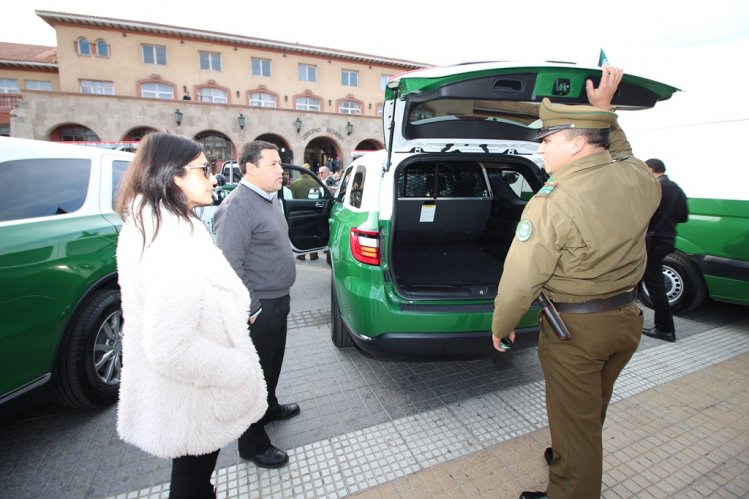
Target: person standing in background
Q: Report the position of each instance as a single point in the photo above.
(660, 242)
(191, 380)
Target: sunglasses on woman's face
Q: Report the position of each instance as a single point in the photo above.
(207, 169)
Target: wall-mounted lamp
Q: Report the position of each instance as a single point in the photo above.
(241, 120)
(349, 128)
(298, 125)
(178, 117)
(237, 94)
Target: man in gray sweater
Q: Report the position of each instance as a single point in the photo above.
(253, 234)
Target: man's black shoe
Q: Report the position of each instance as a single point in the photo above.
(660, 335)
(533, 495)
(270, 458)
(548, 455)
(284, 411)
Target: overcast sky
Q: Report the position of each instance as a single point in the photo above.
(699, 47)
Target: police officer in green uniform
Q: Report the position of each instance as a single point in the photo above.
(581, 241)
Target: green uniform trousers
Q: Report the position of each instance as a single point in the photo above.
(580, 375)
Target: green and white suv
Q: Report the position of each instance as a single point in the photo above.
(419, 231)
(59, 301)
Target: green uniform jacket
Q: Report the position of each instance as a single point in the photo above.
(582, 236)
(300, 187)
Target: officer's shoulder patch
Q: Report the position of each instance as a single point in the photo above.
(546, 189)
(524, 230)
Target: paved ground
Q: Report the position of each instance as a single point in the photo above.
(417, 427)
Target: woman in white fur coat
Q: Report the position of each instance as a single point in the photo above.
(191, 381)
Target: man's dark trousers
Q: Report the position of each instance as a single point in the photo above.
(268, 333)
(657, 249)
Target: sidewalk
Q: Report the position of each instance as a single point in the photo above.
(685, 438)
(677, 426)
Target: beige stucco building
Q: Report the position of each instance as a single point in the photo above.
(112, 80)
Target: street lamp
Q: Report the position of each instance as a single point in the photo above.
(178, 117)
(298, 125)
(349, 128)
(241, 120)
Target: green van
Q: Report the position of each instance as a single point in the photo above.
(711, 259)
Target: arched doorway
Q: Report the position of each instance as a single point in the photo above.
(136, 134)
(369, 145)
(216, 146)
(287, 155)
(321, 151)
(73, 132)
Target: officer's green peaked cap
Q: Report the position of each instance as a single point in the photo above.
(556, 117)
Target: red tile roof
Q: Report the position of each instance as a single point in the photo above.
(27, 53)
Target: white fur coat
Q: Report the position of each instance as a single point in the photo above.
(191, 380)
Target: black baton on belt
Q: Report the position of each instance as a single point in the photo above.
(555, 321)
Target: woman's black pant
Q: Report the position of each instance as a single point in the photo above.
(191, 476)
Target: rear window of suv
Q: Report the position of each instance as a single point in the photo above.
(33, 188)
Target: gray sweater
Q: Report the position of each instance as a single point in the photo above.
(254, 236)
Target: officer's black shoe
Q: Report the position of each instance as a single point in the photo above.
(269, 458)
(533, 495)
(660, 335)
(548, 456)
(285, 411)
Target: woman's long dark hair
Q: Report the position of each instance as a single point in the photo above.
(161, 156)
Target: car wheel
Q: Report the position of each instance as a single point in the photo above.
(88, 374)
(338, 332)
(685, 287)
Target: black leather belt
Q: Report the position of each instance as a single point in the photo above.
(599, 305)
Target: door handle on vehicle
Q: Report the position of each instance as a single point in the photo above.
(319, 204)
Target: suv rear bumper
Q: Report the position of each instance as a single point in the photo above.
(440, 344)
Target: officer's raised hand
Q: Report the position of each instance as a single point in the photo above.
(602, 96)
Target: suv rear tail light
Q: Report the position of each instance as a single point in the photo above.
(365, 246)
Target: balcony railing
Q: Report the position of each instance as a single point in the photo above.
(9, 101)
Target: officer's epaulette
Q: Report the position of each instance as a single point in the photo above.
(549, 186)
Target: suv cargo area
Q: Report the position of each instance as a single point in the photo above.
(453, 223)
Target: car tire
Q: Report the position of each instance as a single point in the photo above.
(338, 332)
(88, 372)
(685, 287)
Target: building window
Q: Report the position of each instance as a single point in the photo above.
(153, 54)
(102, 49)
(156, 91)
(210, 61)
(307, 104)
(97, 87)
(214, 95)
(307, 72)
(260, 99)
(78, 134)
(349, 78)
(260, 67)
(84, 48)
(38, 85)
(4, 130)
(349, 107)
(384, 81)
(8, 86)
